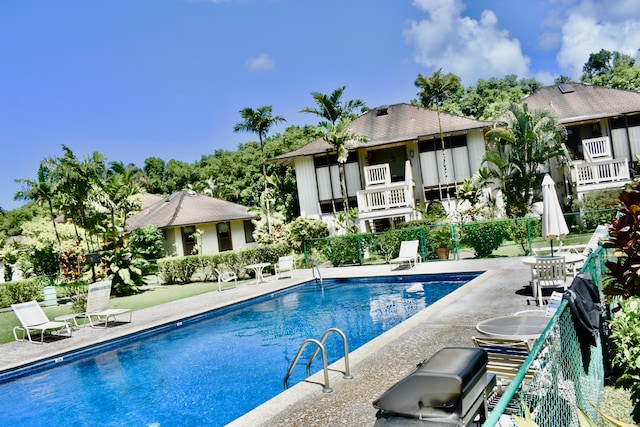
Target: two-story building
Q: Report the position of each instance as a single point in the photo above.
(401, 164)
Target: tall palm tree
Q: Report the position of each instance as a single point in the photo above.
(340, 136)
(337, 115)
(259, 122)
(42, 192)
(434, 91)
(331, 107)
(519, 153)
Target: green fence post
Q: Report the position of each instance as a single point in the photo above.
(304, 251)
(529, 236)
(360, 254)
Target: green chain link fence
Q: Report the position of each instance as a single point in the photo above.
(565, 379)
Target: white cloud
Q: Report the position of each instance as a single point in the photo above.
(262, 62)
(592, 26)
(466, 47)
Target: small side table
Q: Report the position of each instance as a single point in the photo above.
(257, 268)
(74, 317)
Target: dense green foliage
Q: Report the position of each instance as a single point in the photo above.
(517, 155)
(146, 242)
(625, 334)
(484, 237)
(599, 207)
(623, 277)
(183, 269)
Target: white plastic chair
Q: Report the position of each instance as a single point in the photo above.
(226, 277)
(285, 264)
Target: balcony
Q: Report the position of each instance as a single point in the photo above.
(396, 195)
(599, 170)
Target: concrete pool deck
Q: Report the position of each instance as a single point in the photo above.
(376, 366)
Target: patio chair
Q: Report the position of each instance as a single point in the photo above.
(408, 253)
(285, 264)
(505, 357)
(98, 305)
(33, 318)
(549, 272)
(226, 277)
(552, 306)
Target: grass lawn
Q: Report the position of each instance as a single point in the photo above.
(149, 298)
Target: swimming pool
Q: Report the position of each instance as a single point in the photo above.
(218, 366)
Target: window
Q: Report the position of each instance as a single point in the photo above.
(224, 237)
(249, 228)
(188, 239)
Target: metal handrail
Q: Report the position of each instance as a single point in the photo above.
(346, 374)
(326, 388)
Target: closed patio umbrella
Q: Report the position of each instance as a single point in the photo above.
(554, 225)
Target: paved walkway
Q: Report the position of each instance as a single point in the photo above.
(375, 366)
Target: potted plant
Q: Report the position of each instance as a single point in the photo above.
(440, 238)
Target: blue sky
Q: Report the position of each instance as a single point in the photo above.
(134, 79)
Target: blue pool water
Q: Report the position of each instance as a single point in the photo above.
(214, 368)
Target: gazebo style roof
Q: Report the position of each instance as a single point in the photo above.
(188, 208)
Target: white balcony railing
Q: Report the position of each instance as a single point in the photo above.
(596, 148)
(390, 196)
(377, 175)
(601, 172)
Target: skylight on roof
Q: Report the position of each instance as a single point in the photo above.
(566, 88)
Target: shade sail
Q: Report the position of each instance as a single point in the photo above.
(554, 225)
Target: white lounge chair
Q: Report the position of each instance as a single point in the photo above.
(225, 277)
(408, 253)
(549, 272)
(98, 305)
(33, 318)
(285, 264)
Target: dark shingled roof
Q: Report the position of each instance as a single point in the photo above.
(400, 122)
(575, 102)
(188, 208)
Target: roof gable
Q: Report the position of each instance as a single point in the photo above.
(574, 102)
(391, 124)
(188, 208)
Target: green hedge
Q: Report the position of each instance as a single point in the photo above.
(23, 290)
(190, 268)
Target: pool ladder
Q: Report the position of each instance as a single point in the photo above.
(320, 348)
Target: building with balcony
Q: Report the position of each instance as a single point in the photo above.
(603, 134)
(401, 164)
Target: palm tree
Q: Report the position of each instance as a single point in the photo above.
(330, 107)
(41, 191)
(519, 153)
(340, 136)
(259, 121)
(337, 115)
(434, 91)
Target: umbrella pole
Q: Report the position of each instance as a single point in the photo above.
(551, 247)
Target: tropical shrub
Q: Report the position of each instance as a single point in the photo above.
(625, 334)
(124, 272)
(623, 277)
(484, 237)
(598, 207)
(146, 242)
(22, 290)
(521, 230)
(304, 228)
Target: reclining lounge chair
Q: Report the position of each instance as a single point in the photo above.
(33, 318)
